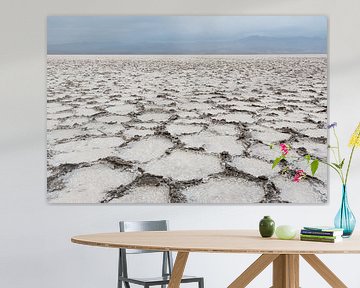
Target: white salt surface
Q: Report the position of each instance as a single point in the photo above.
(113, 118)
(83, 156)
(191, 121)
(130, 133)
(89, 184)
(90, 144)
(75, 120)
(146, 149)
(236, 117)
(154, 116)
(315, 133)
(226, 190)
(122, 109)
(184, 165)
(313, 148)
(214, 143)
(227, 129)
(220, 103)
(85, 111)
(60, 115)
(268, 135)
(262, 151)
(59, 134)
(51, 124)
(98, 128)
(300, 193)
(145, 194)
(180, 129)
(253, 166)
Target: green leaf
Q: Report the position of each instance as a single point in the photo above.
(308, 158)
(314, 166)
(277, 161)
(342, 163)
(336, 165)
(271, 146)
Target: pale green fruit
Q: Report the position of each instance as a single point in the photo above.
(285, 232)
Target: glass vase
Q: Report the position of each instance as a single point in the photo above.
(345, 219)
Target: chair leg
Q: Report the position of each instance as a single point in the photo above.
(201, 283)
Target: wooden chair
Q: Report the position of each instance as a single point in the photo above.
(167, 262)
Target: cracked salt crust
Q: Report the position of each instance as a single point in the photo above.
(179, 129)
(121, 109)
(226, 129)
(253, 166)
(300, 193)
(153, 116)
(145, 194)
(226, 190)
(214, 143)
(146, 149)
(130, 133)
(236, 117)
(89, 184)
(74, 121)
(90, 144)
(113, 118)
(262, 151)
(194, 103)
(84, 156)
(55, 135)
(268, 135)
(184, 165)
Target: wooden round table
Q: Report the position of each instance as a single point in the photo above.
(284, 254)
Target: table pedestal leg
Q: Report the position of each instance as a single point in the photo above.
(253, 270)
(324, 271)
(286, 271)
(178, 270)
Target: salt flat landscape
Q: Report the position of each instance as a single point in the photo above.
(184, 129)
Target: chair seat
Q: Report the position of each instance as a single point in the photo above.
(158, 280)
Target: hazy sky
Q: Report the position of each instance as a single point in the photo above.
(185, 34)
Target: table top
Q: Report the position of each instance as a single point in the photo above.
(216, 241)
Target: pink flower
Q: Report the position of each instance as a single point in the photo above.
(299, 174)
(284, 149)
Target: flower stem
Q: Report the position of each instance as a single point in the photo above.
(336, 169)
(350, 159)
(338, 146)
(348, 167)
(339, 155)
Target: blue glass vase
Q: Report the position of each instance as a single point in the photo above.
(345, 219)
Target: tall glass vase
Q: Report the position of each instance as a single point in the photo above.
(345, 219)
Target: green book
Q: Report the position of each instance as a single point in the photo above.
(325, 240)
(319, 236)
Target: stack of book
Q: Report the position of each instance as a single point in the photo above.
(321, 234)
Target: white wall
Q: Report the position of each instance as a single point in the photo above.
(35, 248)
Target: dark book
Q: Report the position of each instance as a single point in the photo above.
(321, 233)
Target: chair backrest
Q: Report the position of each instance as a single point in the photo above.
(134, 226)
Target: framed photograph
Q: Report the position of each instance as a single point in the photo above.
(186, 109)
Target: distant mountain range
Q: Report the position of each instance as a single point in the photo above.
(247, 45)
